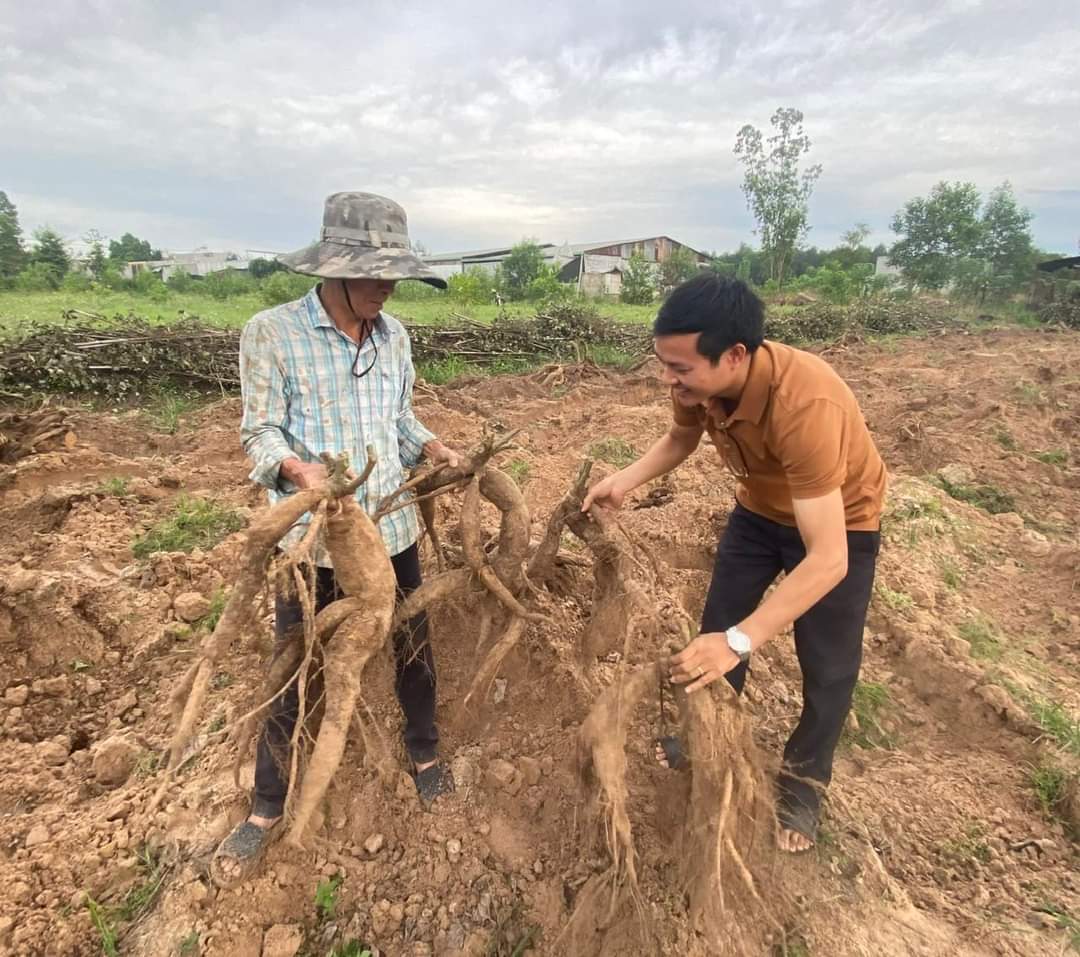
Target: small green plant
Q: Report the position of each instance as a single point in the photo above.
(222, 679)
(896, 600)
(1050, 783)
(1052, 717)
(970, 845)
(869, 704)
(617, 452)
(983, 636)
(167, 409)
(989, 498)
(147, 764)
(612, 356)
(195, 523)
(443, 371)
(1005, 440)
(1065, 921)
(189, 945)
(326, 896)
(518, 470)
(117, 487)
(79, 665)
(216, 724)
(1028, 393)
(103, 924)
(1053, 457)
(352, 948)
(218, 600)
(951, 574)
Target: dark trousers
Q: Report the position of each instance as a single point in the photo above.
(414, 684)
(828, 638)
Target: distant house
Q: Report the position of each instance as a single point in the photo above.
(883, 266)
(200, 262)
(595, 268)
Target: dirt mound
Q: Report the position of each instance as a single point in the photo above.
(945, 831)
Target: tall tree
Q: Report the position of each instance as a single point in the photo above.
(935, 232)
(856, 236)
(1006, 242)
(131, 249)
(521, 267)
(50, 251)
(95, 258)
(12, 254)
(777, 191)
(681, 264)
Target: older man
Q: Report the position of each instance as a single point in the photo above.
(332, 372)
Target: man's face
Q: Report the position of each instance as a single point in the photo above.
(369, 295)
(693, 378)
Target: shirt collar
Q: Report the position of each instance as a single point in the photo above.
(755, 394)
(320, 318)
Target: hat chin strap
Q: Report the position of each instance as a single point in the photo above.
(369, 334)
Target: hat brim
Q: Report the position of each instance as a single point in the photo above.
(329, 260)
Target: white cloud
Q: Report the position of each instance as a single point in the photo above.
(568, 122)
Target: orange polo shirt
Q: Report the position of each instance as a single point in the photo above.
(796, 433)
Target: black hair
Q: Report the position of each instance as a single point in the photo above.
(725, 311)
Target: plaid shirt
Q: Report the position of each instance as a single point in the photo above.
(301, 398)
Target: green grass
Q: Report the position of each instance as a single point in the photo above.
(970, 845)
(326, 896)
(518, 470)
(194, 523)
(1052, 457)
(446, 370)
(951, 574)
(869, 704)
(218, 600)
(221, 680)
(1051, 716)
(137, 901)
(17, 309)
(189, 945)
(1028, 393)
(104, 925)
(983, 636)
(117, 487)
(612, 356)
(1005, 440)
(1050, 783)
(617, 452)
(896, 600)
(1065, 921)
(351, 949)
(989, 498)
(166, 409)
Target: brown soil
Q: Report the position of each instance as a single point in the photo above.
(936, 844)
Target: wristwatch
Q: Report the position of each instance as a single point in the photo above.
(739, 642)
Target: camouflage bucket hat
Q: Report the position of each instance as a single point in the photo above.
(364, 236)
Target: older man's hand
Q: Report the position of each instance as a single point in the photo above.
(438, 454)
(303, 474)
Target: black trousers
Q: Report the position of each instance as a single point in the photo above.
(828, 638)
(414, 684)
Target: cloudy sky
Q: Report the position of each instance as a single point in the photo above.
(225, 124)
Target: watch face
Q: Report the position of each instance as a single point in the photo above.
(739, 641)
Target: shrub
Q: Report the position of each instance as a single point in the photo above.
(285, 287)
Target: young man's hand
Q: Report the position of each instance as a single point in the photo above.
(303, 474)
(608, 492)
(437, 454)
(706, 659)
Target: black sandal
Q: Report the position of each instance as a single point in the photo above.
(246, 844)
(677, 759)
(800, 818)
(433, 782)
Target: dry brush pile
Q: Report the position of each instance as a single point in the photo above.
(726, 845)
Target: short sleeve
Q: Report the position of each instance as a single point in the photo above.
(812, 447)
(687, 417)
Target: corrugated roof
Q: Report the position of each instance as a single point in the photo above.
(572, 249)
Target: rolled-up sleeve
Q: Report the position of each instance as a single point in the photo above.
(412, 435)
(263, 387)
